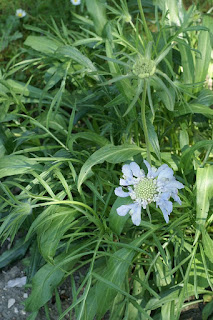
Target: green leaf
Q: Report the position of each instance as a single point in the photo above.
(193, 108)
(186, 61)
(52, 230)
(204, 46)
(32, 316)
(76, 55)
(43, 284)
(26, 89)
(171, 294)
(186, 158)
(14, 220)
(207, 311)
(208, 245)
(117, 222)
(15, 253)
(205, 97)
(204, 194)
(2, 148)
(136, 97)
(42, 44)
(109, 153)
(201, 280)
(166, 94)
(153, 139)
(91, 136)
(46, 280)
(124, 85)
(12, 165)
(97, 11)
(183, 138)
(167, 311)
(101, 295)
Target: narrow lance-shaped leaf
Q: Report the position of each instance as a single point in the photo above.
(11, 165)
(97, 11)
(109, 153)
(204, 46)
(204, 195)
(101, 295)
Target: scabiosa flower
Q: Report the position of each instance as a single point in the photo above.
(75, 2)
(20, 13)
(159, 185)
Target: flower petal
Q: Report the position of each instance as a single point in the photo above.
(122, 210)
(161, 168)
(127, 172)
(151, 170)
(166, 217)
(120, 193)
(174, 184)
(136, 214)
(166, 173)
(137, 172)
(176, 198)
(166, 207)
(124, 182)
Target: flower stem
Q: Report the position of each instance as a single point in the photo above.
(143, 118)
(149, 37)
(148, 212)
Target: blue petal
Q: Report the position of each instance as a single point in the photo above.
(137, 172)
(176, 198)
(166, 207)
(166, 217)
(151, 170)
(122, 210)
(136, 214)
(166, 173)
(127, 172)
(174, 184)
(165, 196)
(126, 182)
(120, 193)
(161, 168)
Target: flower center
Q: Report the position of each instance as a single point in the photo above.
(144, 68)
(146, 189)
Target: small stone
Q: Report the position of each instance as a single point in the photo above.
(10, 303)
(15, 310)
(23, 312)
(25, 295)
(18, 282)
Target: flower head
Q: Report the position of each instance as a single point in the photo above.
(75, 2)
(20, 13)
(144, 68)
(159, 185)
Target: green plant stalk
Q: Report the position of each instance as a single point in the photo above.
(149, 37)
(143, 118)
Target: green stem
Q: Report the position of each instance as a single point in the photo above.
(149, 37)
(148, 212)
(143, 118)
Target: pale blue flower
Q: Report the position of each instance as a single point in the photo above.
(159, 185)
(20, 13)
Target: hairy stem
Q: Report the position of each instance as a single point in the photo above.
(149, 37)
(143, 118)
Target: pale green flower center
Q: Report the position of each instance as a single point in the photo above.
(144, 68)
(146, 189)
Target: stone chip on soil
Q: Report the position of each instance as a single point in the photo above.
(18, 282)
(10, 303)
